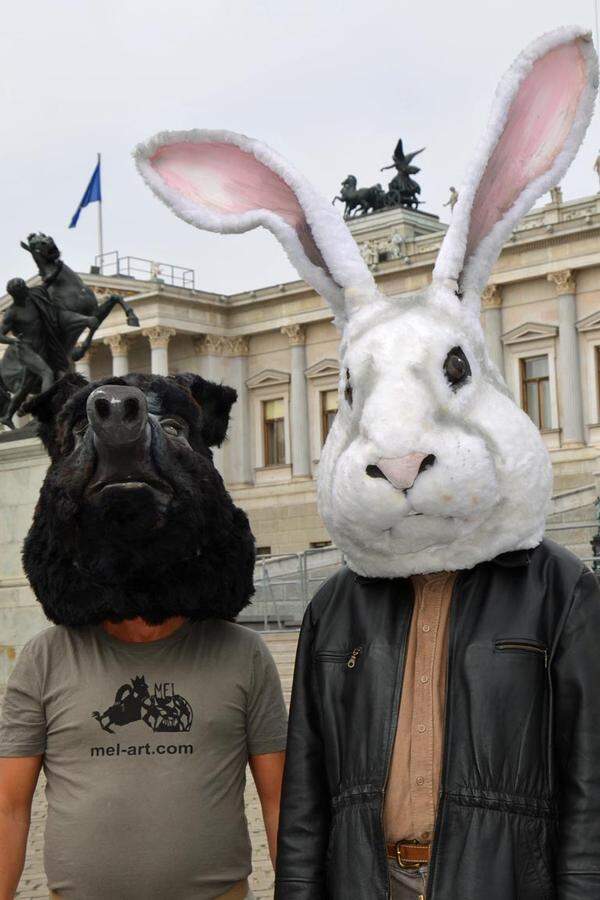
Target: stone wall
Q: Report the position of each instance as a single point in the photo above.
(23, 464)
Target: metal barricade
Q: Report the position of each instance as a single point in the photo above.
(284, 585)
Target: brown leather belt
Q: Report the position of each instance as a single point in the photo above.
(409, 854)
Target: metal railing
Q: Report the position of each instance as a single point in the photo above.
(284, 585)
(144, 270)
(592, 561)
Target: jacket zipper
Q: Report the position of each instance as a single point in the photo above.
(353, 657)
(527, 646)
(396, 710)
(350, 660)
(438, 816)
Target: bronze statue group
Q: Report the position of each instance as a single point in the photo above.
(44, 323)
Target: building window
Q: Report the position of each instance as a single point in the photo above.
(535, 390)
(318, 545)
(329, 406)
(274, 432)
(263, 551)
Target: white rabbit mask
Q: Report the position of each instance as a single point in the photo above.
(430, 464)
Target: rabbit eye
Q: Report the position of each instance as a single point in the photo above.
(348, 389)
(456, 368)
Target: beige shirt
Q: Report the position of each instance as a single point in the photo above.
(414, 777)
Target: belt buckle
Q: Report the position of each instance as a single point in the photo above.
(402, 863)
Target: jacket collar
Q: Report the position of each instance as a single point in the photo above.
(513, 559)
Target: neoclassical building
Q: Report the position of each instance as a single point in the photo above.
(278, 347)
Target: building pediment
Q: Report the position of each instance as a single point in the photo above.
(325, 368)
(268, 378)
(530, 331)
(589, 323)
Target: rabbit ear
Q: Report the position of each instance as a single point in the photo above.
(229, 183)
(541, 111)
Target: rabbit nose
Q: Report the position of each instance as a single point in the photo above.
(402, 471)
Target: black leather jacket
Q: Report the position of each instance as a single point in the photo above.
(519, 809)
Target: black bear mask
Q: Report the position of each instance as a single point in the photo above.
(140, 528)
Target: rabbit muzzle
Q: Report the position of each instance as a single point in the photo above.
(402, 471)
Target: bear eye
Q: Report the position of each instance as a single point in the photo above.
(348, 389)
(80, 427)
(173, 427)
(456, 368)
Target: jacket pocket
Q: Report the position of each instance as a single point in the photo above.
(349, 657)
(522, 645)
(529, 647)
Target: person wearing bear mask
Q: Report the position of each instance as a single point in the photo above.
(145, 701)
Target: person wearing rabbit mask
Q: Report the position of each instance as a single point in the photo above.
(444, 733)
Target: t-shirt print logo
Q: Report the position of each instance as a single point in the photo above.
(164, 710)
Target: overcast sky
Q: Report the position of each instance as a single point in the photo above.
(331, 85)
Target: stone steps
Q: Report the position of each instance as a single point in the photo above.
(567, 481)
(282, 645)
(573, 498)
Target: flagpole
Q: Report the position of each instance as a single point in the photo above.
(100, 237)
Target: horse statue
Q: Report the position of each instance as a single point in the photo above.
(43, 325)
(360, 201)
(77, 305)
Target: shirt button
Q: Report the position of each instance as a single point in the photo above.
(420, 780)
(424, 679)
(421, 729)
(426, 628)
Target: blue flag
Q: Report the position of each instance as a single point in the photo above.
(92, 194)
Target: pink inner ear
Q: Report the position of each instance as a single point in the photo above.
(539, 121)
(226, 179)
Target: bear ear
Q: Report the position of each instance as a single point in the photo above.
(46, 407)
(215, 401)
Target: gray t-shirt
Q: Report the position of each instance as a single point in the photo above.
(145, 748)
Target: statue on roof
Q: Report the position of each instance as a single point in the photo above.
(402, 189)
(452, 199)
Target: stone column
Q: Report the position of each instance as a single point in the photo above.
(569, 376)
(212, 349)
(298, 401)
(159, 337)
(118, 349)
(491, 306)
(83, 366)
(238, 457)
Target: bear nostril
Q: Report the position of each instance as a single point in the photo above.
(131, 409)
(374, 472)
(102, 407)
(427, 463)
